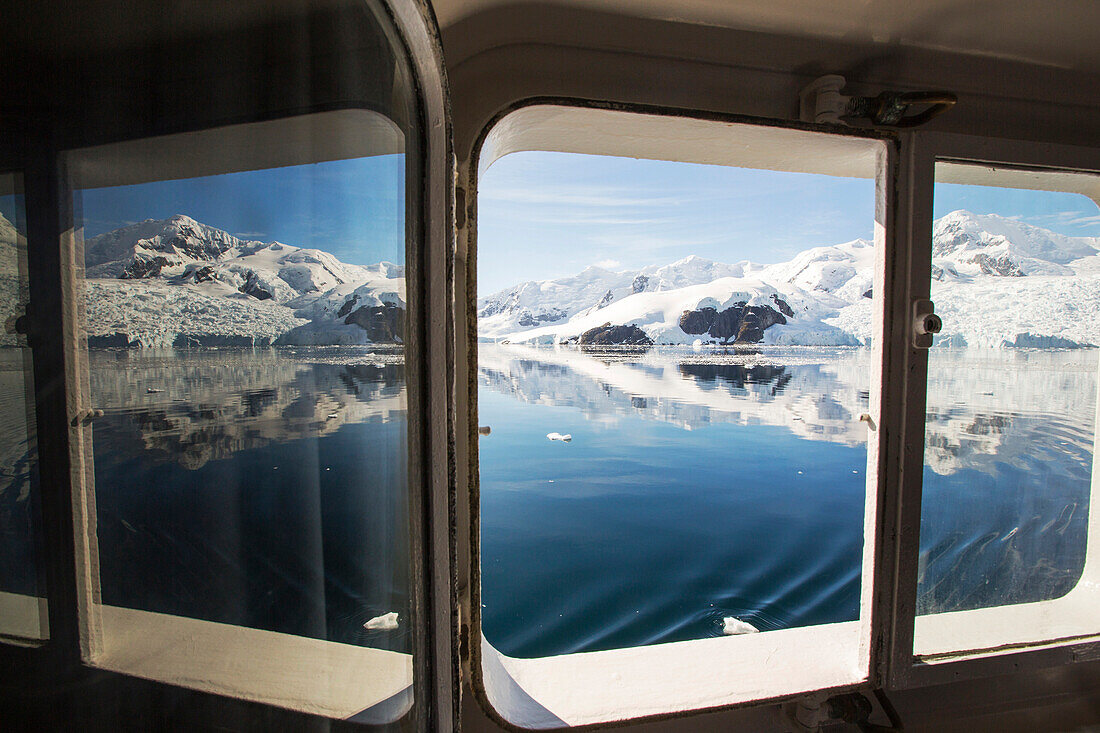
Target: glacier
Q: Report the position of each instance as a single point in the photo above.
(997, 283)
(177, 283)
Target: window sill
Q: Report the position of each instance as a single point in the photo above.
(309, 675)
(23, 619)
(601, 687)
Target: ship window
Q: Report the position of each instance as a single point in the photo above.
(676, 346)
(245, 457)
(1009, 498)
(22, 594)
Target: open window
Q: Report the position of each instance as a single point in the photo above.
(677, 400)
(1000, 566)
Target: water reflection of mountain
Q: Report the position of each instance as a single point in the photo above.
(193, 407)
(984, 407)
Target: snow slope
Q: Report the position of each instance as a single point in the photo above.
(996, 282)
(177, 282)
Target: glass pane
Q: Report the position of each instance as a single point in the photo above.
(245, 340)
(22, 594)
(673, 364)
(1011, 410)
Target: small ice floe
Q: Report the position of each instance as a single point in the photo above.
(333, 416)
(558, 436)
(153, 390)
(697, 345)
(385, 622)
(731, 625)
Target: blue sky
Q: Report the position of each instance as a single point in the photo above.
(354, 209)
(546, 215)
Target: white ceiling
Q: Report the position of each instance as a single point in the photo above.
(1057, 33)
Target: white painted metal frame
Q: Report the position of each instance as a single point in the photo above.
(676, 678)
(987, 656)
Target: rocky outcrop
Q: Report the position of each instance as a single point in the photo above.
(527, 318)
(347, 307)
(786, 309)
(384, 324)
(739, 323)
(697, 321)
(639, 285)
(251, 286)
(608, 335)
(1003, 265)
(145, 266)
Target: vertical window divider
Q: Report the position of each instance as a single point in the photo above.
(913, 217)
(49, 218)
(887, 404)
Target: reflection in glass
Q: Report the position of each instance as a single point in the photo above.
(22, 605)
(246, 360)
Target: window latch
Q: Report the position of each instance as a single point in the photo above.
(926, 323)
(822, 101)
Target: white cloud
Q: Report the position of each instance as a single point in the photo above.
(608, 264)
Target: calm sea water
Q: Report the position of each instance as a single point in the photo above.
(268, 489)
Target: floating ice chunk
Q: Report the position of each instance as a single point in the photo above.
(697, 345)
(153, 390)
(385, 622)
(558, 436)
(732, 625)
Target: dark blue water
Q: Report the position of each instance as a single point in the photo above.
(696, 489)
(639, 532)
(305, 536)
(268, 489)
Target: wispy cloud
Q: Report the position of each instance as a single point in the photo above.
(1074, 218)
(608, 264)
(250, 235)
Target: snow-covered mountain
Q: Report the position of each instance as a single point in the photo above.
(996, 282)
(177, 282)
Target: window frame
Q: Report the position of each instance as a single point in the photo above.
(921, 152)
(883, 451)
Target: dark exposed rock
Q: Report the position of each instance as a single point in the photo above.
(739, 323)
(605, 300)
(144, 267)
(871, 291)
(347, 306)
(639, 284)
(251, 286)
(535, 319)
(697, 321)
(204, 274)
(608, 335)
(190, 243)
(383, 323)
(782, 305)
(1002, 265)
